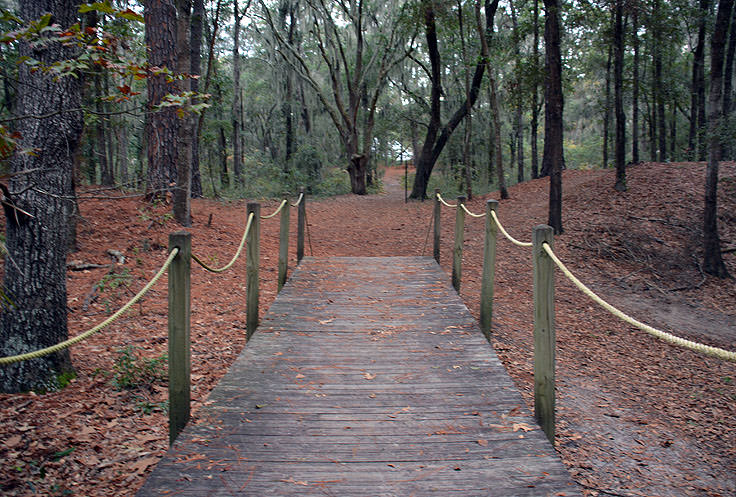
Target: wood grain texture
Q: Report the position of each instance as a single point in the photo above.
(367, 376)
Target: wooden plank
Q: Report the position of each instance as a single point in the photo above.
(367, 376)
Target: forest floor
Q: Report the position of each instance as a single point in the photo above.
(636, 416)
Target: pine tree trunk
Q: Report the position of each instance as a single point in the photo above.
(712, 260)
(535, 93)
(618, 83)
(496, 138)
(236, 114)
(553, 160)
(36, 279)
(161, 126)
(518, 118)
(185, 132)
(197, 23)
(729, 146)
(635, 90)
(607, 110)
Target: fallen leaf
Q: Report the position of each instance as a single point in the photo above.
(13, 441)
(368, 376)
(522, 426)
(483, 443)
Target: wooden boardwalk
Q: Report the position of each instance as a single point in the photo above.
(368, 376)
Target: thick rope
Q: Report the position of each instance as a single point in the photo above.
(67, 343)
(470, 213)
(298, 201)
(726, 355)
(439, 197)
(281, 206)
(235, 257)
(506, 234)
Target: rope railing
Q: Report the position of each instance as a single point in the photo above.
(178, 265)
(82, 336)
(544, 260)
(227, 266)
(439, 197)
(471, 214)
(506, 233)
(720, 353)
(281, 206)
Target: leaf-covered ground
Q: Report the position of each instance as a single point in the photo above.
(636, 416)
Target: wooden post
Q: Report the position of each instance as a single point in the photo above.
(544, 332)
(251, 264)
(284, 244)
(457, 253)
(437, 219)
(489, 270)
(301, 222)
(179, 333)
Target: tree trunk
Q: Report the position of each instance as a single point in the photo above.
(236, 115)
(607, 110)
(497, 138)
(195, 42)
(468, 107)
(183, 191)
(635, 90)
(36, 279)
(161, 127)
(729, 147)
(618, 83)
(122, 136)
(437, 135)
(106, 176)
(535, 93)
(712, 260)
(222, 154)
(518, 118)
(553, 160)
(697, 123)
(652, 116)
(659, 101)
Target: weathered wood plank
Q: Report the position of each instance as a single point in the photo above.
(366, 377)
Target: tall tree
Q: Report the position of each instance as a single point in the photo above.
(535, 91)
(729, 111)
(635, 88)
(196, 70)
(618, 83)
(35, 280)
(607, 109)
(518, 96)
(712, 260)
(469, 108)
(352, 59)
(660, 93)
(553, 159)
(438, 134)
(237, 108)
(696, 137)
(185, 125)
(161, 125)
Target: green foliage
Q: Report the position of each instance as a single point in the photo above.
(114, 280)
(263, 178)
(132, 371)
(64, 379)
(586, 154)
